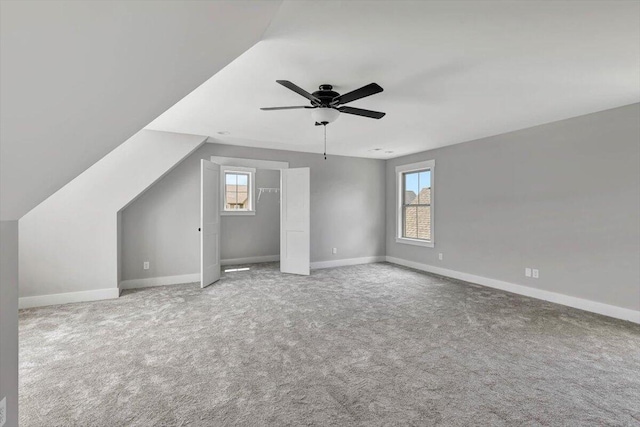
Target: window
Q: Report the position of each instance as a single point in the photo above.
(415, 203)
(238, 191)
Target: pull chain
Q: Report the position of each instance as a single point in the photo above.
(325, 142)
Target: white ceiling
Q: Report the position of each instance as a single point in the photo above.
(78, 78)
(452, 72)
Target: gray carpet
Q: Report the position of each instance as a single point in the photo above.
(368, 345)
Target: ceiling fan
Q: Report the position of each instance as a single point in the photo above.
(327, 104)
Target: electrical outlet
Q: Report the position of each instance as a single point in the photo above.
(334, 251)
(3, 411)
(146, 265)
(536, 273)
(440, 257)
(527, 272)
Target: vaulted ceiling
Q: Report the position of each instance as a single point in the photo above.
(452, 71)
(78, 78)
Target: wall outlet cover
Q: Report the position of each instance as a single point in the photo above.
(334, 250)
(3, 411)
(146, 265)
(440, 256)
(527, 272)
(536, 273)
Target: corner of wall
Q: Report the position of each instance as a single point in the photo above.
(9, 318)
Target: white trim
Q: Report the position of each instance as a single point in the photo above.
(401, 169)
(68, 297)
(348, 261)
(160, 281)
(251, 260)
(416, 242)
(575, 302)
(249, 163)
(426, 164)
(237, 213)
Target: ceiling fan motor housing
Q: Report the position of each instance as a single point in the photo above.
(325, 94)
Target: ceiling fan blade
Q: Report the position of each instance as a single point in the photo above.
(299, 91)
(286, 108)
(361, 112)
(368, 90)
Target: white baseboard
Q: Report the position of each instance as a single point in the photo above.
(159, 281)
(68, 297)
(575, 302)
(190, 278)
(250, 260)
(348, 261)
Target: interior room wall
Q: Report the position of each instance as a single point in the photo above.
(9, 318)
(562, 197)
(69, 243)
(347, 212)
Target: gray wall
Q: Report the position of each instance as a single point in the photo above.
(347, 212)
(9, 318)
(562, 197)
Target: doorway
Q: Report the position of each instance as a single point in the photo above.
(229, 191)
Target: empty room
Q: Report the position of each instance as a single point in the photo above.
(321, 213)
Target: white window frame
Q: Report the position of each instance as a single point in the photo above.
(251, 193)
(400, 171)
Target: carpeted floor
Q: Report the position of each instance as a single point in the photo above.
(367, 345)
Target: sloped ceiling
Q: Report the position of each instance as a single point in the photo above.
(78, 78)
(452, 71)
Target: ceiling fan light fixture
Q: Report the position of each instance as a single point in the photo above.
(325, 115)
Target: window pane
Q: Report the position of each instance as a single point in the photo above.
(236, 191)
(424, 195)
(410, 222)
(230, 197)
(410, 187)
(231, 178)
(243, 187)
(242, 201)
(424, 222)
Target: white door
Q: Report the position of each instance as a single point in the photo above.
(209, 223)
(295, 233)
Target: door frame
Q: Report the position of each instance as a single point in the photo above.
(255, 164)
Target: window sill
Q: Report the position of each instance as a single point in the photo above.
(415, 242)
(237, 213)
